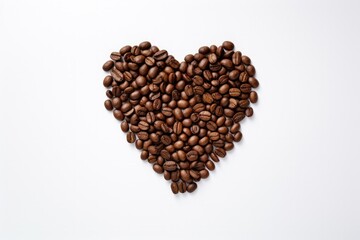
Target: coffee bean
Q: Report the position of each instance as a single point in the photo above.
(174, 187)
(166, 140)
(249, 112)
(245, 88)
(182, 187)
(177, 128)
(118, 115)
(130, 137)
(108, 65)
(253, 97)
(144, 45)
(234, 92)
(191, 187)
(143, 135)
(161, 55)
(107, 81)
(210, 165)
(253, 82)
(115, 56)
(108, 105)
(205, 115)
(192, 156)
(125, 49)
(157, 168)
(245, 59)
(227, 45)
(193, 140)
(170, 166)
(227, 63)
(220, 152)
(124, 126)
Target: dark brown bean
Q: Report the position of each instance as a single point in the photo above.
(108, 65)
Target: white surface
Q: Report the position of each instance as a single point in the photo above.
(67, 172)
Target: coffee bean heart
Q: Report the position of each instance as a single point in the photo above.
(182, 116)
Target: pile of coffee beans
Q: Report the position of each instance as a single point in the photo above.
(183, 116)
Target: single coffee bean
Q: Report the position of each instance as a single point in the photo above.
(107, 81)
(245, 59)
(227, 45)
(115, 56)
(253, 82)
(124, 126)
(249, 112)
(245, 88)
(174, 187)
(205, 115)
(160, 55)
(191, 187)
(165, 139)
(108, 65)
(236, 58)
(214, 136)
(157, 168)
(144, 45)
(238, 117)
(130, 137)
(210, 165)
(125, 49)
(108, 105)
(192, 156)
(220, 152)
(234, 92)
(177, 128)
(170, 166)
(253, 97)
(182, 187)
(237, 136)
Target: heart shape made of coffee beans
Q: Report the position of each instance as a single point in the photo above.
(182, 116)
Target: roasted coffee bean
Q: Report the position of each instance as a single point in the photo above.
(170, 166)
(118, 115)
(210, 165)
(124, 126)
(234, 92)
(253, 82)
(157, 168)
(253, 97)
(245, 88)
(174, 187)
(108, 105)
(249, 112)
(165, 139)
(205, 115)
(108, 65)
(116, 56)
(228, 146)
(191, 187)
(161, 55)
(107, 81)
(192, 156)
(144, 45)
(245, 59)
(227, 45)
(181, 186)
(130, 137)
(214, 136)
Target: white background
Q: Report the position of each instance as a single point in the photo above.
(67, 172)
